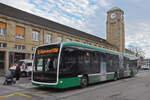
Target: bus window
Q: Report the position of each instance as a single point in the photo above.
(87, 58)
(94, 66)
(68, 60)
(45, 64)
(80, 57)
(115, 63)
(39, 64)
(50, 64)
(46, 58)
(102, 62)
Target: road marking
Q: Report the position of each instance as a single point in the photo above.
(24, 95)
(7, 95)
(16, 93)
(42, 92)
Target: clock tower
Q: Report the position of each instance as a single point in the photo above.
(115, 28)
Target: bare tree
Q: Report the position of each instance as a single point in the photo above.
(139, 52)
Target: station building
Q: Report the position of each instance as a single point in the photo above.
(21, 32)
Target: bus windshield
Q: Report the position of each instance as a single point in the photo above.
(45, 63)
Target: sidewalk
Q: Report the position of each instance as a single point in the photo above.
(1, 73)
(23, 83)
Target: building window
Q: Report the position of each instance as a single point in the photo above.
(33, 48)
(48, 38)
(19, 47)
(59, 39)
(68, 40)
(2, 28)
(3, 45)
(35, 35)
(20, 32)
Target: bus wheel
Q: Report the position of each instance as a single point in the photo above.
(84, 81)
(115, 76)
(132, 74)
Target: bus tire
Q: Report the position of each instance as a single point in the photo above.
(132, 74)
(115, 76)
(84, 81)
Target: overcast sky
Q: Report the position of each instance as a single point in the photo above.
(90, 16)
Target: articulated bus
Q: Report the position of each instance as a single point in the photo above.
(70, 64)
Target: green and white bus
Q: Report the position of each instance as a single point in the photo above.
(70, 64)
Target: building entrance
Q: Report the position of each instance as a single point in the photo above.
(2, 61)
(19, 56)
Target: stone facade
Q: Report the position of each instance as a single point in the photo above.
(115, 28)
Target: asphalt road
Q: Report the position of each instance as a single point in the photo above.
(137, 88)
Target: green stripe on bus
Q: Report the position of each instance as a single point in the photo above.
(97, 77)
(110, 76)
(63, 83)
(94, 78)
(69, 82)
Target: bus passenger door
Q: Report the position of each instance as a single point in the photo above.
(103, 70)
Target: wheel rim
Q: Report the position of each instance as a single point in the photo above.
(115, 77)
(84, 82)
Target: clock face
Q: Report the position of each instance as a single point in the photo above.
(113, 15)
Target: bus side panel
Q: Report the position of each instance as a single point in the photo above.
(68, 82)
(63, 83)
(110, 76)
(94, 78)
(98, 78)
(127, 73)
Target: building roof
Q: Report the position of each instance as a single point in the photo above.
(22, 15)
(129, 51)
(115, 8)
